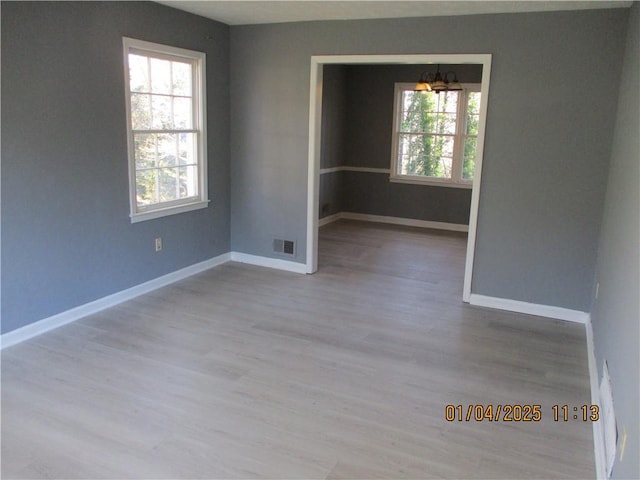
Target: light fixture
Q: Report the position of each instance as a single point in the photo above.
(423, 84)
(437, 82)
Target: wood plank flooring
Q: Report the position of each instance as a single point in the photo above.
(247, 372)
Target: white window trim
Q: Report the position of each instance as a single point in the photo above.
(149, 212)
(456, 180)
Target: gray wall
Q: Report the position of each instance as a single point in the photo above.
(374, 194)
(334, 116)
(331, 194)
(616, 312)
(66, 234)
(333, 141)
(546, 151)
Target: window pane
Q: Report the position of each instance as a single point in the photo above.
(472, 124)
(145, 150)
(138, 73)
(411, 107)
(425, 155)
(160, 76)
(430, 102)
(469, 157)
(140, 111)
(146, 187)
(155, 167)
(161, 115)
(473, 103)
(167, 149)
(418, 116)
(181, 79)
(188, 181)
(446, 123)
(447, 101)
(411, 150)
(182, 117)
(411, 121)
(444, 167)
(411, 145)
(419, 121)
(187, 149)
(429, 112)
(409, 99)
(167, 184)
(442, 146)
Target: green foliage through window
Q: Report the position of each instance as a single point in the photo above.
(167, 146)
(162, 100)
(436, 134)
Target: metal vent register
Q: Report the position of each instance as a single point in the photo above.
(286, 247)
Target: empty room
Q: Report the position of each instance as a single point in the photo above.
(320, 240)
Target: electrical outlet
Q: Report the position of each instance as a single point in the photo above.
(158, 244)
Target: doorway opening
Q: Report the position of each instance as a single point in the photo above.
(315, 136)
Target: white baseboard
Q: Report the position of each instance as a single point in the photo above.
(29, 331)
(598, 436)
(407, 222)
(329, 219)
(529, 308)
(269, 262)
(37, 328)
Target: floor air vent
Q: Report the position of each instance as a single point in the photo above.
(286, 247)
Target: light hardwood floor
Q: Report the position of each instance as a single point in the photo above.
(247, 372)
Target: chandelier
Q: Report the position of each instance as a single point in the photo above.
(437, 82)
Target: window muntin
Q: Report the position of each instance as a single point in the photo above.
(435, 135)
(165, 90)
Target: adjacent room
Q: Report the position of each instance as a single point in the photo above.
(249, 240)
(372, 171)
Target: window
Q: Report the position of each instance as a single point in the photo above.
(165, 92)
(435, 135)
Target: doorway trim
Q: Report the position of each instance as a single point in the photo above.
(315, 124)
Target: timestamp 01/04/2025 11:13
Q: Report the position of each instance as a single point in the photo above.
(519, 413)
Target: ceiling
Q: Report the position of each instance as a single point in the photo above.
(241, 12)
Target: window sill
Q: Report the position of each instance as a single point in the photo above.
(431, 182)
(163, 212)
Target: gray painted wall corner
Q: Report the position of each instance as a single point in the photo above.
(616, 311)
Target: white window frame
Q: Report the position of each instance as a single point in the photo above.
(198, 60)
(456, 179)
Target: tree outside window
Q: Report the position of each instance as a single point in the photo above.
(435, 135)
